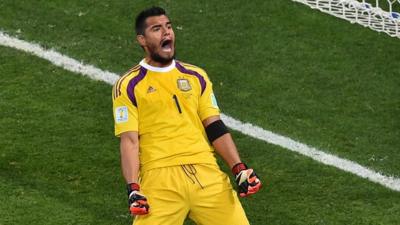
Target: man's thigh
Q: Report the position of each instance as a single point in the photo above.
(215, 203)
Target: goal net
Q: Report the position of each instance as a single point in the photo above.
(379, 15)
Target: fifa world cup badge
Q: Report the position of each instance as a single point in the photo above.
(184, 85)
(121, 114)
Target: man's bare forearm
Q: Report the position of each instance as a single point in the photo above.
(130, 163)
(226, 148)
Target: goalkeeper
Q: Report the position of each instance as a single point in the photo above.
(169, 125)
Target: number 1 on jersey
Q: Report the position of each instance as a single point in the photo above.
(177, 103)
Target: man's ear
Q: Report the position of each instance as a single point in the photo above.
(141, 40)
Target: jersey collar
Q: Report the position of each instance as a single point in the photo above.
(158, 69)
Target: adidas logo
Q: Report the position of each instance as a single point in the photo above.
(151, 89)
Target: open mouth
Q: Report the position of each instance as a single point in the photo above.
(166, 45)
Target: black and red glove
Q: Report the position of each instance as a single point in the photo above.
(246, 180)
(137, 202)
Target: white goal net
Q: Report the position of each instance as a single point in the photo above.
(379, 15)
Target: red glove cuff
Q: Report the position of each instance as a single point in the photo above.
(239, 167)
(132, 187)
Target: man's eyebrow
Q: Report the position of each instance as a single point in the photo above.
(159, 25)
(156, 25)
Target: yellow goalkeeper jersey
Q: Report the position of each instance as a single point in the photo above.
(166, 106)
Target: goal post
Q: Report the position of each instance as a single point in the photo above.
(379, 15)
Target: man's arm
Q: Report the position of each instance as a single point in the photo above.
(224, 145)
(129, 148)
(217, 133)
(130, 165)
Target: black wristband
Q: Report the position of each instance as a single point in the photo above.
(215, 130)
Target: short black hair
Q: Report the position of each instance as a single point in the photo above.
(140, 25)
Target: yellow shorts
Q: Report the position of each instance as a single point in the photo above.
(201, 192)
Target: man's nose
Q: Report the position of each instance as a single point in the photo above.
(166, 31)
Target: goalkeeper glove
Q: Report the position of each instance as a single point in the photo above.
(246, 180)
(137, 201)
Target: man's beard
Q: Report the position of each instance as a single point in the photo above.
(158, 58)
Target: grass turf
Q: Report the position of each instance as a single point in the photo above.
(59, 163)
(283, 66)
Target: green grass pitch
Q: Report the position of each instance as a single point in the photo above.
(277, 64)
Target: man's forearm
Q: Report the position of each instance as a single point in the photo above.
(226, 148)
(224, 144)
(130, 159)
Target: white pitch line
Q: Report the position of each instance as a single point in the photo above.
(249, 129)
(59, 59)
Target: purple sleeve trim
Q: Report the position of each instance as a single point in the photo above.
(132, 84)
(194, 73)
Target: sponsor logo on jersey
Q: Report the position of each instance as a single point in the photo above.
(184, 85)
(121, 114)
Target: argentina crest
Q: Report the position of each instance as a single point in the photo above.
(184, 85)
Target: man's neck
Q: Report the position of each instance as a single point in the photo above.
(151, 62)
